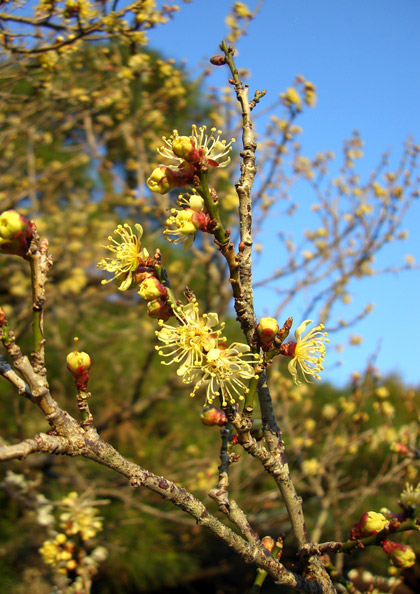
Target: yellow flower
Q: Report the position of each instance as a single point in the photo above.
(307, 353)
(204, 357)
(200, 147)
(186, 222)
(223, 371)
(187, 343)
(128, 254)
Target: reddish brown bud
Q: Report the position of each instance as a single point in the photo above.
(3, 318)
(268, 543)
(211, 415)
(218, 60)
(159, 309)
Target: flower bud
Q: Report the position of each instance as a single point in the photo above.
(184, 148)
(151, 289)
(218, 60)
(79, 363)
(3, 318)
(15, 233)
(267, 330)
(369, 523)
(161, 180)
(268, 543)
(211, 415)
(401, 555)
(159, 309)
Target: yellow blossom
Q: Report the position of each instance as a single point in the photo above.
(185, 224)
(222, 372)
(128, 254)
(309, 352)
(199, 146)
(204, 357)
(187, 343)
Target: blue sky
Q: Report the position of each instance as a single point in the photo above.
(364, 59)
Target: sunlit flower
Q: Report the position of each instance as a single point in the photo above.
(223, 371)
(187, 343)
(204, 357)
(206, 149)
(184, 226)
(128, 254)
(307, 353)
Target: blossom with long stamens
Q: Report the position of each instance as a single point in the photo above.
(222, 372)
(128, 255)
(198, 148)
(205, 358)
(307, 353)
(188, 342)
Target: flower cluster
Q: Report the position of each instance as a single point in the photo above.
(59, 552)
(307, 353)
(79, 517)
(69, 556)
(189, 155)
(204, 357)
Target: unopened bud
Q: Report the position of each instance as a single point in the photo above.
(3, 318)
(268, 543)
(400, 555)
(211, 415)
(15, 233)
(151, 289)
(369, 523)
(161, 180)
(79, 363)
(218, 60)
(184, 148)
(267, 330)
(159, 309)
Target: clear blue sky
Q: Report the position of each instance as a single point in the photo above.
(364, 58)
